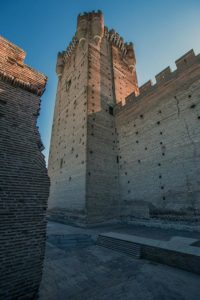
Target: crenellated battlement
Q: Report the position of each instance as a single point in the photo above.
(90, 28)
(163, 75)
(90, 15)
(116, 39)
(127, 49)
(183, 63)
(86, 20)
(146, 86)
(71, 47)
(64, 55)
(186, 60)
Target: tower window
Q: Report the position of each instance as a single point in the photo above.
(111, 110)
(61, 163)
(68, 84)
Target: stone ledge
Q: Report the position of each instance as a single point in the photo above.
(178, 252)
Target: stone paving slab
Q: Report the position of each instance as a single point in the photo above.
(97, 273)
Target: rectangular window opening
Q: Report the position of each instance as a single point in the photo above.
(111, 110)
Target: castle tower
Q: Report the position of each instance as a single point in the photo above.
(95, 72)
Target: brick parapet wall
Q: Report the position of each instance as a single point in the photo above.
(158, 134)
(15, 72)
(184, 64)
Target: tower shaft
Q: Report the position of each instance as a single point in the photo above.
(96, 72)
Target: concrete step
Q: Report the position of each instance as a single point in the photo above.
(179, 251)
(129, 248)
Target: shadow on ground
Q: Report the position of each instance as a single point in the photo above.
(92, 272)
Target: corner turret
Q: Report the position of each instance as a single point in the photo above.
(60, 64)
(130, 56)
(90, 26)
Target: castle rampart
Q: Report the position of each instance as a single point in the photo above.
(159, 138)
(184, 63)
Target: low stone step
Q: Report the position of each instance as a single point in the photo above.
(179, 251)
(132, 249)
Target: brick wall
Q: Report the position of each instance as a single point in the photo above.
(67, 157)
(83, 161)
(142, 160)
(159, 142)
(24, 183)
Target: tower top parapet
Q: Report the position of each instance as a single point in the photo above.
(89, 15)
(90, 25)
(127, 49)
(91, 29)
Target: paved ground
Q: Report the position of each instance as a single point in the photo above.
(97, 273)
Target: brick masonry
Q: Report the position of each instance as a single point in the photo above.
(83, 154)
(159, 139)
(119, 151)
(24, 184)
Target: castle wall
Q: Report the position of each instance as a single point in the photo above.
(24, 183)
(140, 159)
(67, 158)
(159, 145)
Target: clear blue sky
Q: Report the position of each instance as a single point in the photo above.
(161, 31)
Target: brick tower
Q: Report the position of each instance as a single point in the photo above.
(95, 72)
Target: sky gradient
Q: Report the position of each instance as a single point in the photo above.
(161, 31)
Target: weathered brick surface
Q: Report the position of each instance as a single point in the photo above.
(83, 162)
(24, 183)
(141, 161)
(159, 139)
(67, 157)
